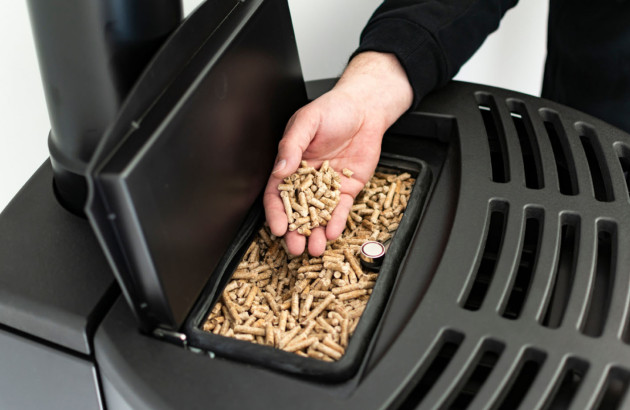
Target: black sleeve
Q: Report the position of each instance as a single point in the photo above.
(431, 38)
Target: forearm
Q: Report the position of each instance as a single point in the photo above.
(431, 38)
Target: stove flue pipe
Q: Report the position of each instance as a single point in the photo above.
(90, 54)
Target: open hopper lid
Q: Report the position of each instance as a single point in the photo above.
(190, 152)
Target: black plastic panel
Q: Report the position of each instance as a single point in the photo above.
(170, 193)
(34, 376)
(53, 274)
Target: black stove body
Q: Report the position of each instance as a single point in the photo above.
(512, 288)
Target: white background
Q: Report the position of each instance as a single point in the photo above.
(327, 31)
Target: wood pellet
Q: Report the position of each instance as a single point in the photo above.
(301, 304)
(309, 196)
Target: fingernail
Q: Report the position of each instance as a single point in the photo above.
(279, 166)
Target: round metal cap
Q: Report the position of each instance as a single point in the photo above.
(372, 254)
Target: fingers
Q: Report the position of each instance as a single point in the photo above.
(274, 209)
(295, 242)
(352, 186)
(317, 242)
(296, 139)
(300, 131)
(337, 222)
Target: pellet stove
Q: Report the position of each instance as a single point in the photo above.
(509, 288)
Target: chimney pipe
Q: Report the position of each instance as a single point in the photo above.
(90, 54)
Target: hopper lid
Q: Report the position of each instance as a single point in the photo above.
(190, 152)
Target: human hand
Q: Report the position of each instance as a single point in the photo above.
(346, 127)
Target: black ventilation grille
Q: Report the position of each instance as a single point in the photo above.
(496, 138)
(600, 174)
(529, 145)
(530, 247)
(477, 374)
(564, 273)
(488, 260)
(444, 351)
(523, 379)
(565, 166)
(603, 280)
(615, 388)
(567, 385)
(623, 153)
(535, 276)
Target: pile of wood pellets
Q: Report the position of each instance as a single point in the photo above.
(310, 306)
(309, 196)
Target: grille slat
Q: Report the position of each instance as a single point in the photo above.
(521, 379)
(513, 144)
(454, 376)
(541, 387)
(530, 247)
(577, 308)
(564, 273)
(567, 385)
(621, 293)
(600, 173)
(530, 152)
(495, 133)
(594, 388)
(623, 156)
(477, 373)
(565, 163)
(493, 242)
(615, 389)
(547, 158)
(540, 282)
(603, 280)
(618, 324)
(442, 356)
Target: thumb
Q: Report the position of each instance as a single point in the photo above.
(298, 135)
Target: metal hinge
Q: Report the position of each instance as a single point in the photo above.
(177, 338)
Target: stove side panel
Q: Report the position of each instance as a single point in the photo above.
(35, 376)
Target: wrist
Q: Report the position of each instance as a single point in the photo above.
(380, 84)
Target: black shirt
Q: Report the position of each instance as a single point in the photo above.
(588, 48)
